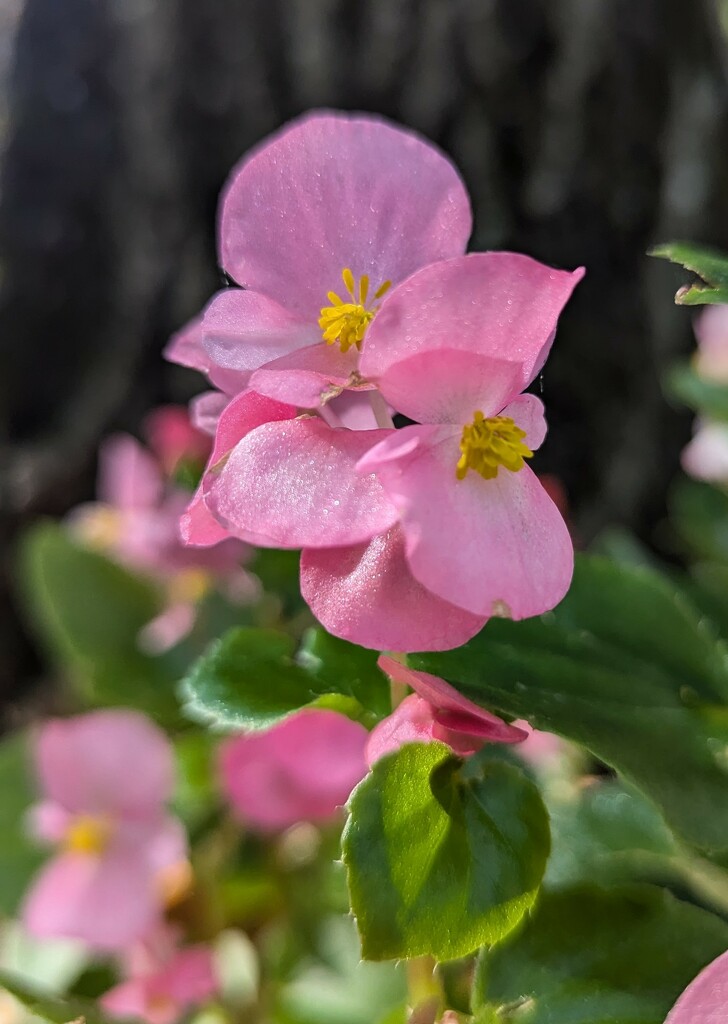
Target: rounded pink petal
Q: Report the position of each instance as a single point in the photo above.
(129, 478)
(497, 304)
(185, 347)
(168, 628)
(130, 999)
(705, 1000)
(205, 411)
(84, 764)
(706, 456)
(172, 436)
(451, 708)
(367, 594)
(302, 769)
(188, 979)
(412, 721)
(333, 191)
(107, 901)
(307, 377)
(293, 484)
(496, 547)
(527, 412)
(243, 330)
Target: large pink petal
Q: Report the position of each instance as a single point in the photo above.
(705, 1000)
(243, 330)
(83, 764)
(367, 594)
(307, 377)
(452, 709)
(129, 478)
(494, 547)
(294, 484)
(107, 902)
(333, 191)
(185, 347)
(498, 304)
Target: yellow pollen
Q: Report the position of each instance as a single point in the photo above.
(87, 833)
(345, 321)
(99, 527)
(189, 586)
(488, 444)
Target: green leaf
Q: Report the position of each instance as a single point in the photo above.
(19, 857)
(441, 856)
(708, 264)
(49, 1008)
(699, 513)
(88, 612)
(250, 678)
(597, 956)
(627, 667)
(704, 396)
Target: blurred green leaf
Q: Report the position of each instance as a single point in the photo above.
(88, 612)
(627, 667)
(441, 855)
(277, 571)
(709, 264)
(49, 1008)
(19, 857)
(597, 956)
(704, 396)
(699, 514)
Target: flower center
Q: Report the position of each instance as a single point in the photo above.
(99, 527)
(189, 586)
(345, 321)
(488, 444)
(87, 833)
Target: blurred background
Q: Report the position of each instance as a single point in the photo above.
(586, 131)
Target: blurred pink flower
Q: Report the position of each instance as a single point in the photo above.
(162, 982)
(705, 1000)
(174, 439)
(706, 456)
(105, 777)
(329, 200)
(435, 711)
(711, 331)
(300, 770)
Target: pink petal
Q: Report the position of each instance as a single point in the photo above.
(711, 330)
(451, 708)
(367, 594)
(539, 748)
(129, 478)
(493, 546)
(292, 484)
(705, 1000)
(168, 628)
(302, 769)
(130, 999)
(243, 330)
(107, 902)
(412, 721)
(527, 412)
(332, 191)
(172, 437)
(307, 377)
(48, 821)
(351, 409)
(185, 347)
(189, 979)
(83, 764)
(205, 410)
(244, 413)
(497, 304)
(706, 456)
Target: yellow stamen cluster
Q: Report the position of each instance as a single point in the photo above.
(87, 833)
(345, 322)
(489, 443)
(189, 586)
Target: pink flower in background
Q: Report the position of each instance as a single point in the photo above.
(315, 225)
(706, 456)
(435, 711)
(711, 331)
(705, 1000)
(137, 522)
(105, 778)
(163, 982)
(300, 770)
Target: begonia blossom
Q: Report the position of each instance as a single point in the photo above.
(137, 521)
(705, 457)
(105, 778)
(705, 1000)
(436, 711)
(302, 769)
(711, 331)
(316, 224)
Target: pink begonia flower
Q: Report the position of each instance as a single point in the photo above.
(137, 522)
(163, 982)
(302, 769)
(539, 748)
(706, 456)
(435, 711)
(315, 225)
(106, 885)
(705, 1000)
(711, 331)
(452, 348)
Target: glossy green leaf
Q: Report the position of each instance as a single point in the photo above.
(19, 856)
(89, 612)
(704, 396)
(441, 855)
(627, 667)
(252, 678)
(709, 264)
(597, 956)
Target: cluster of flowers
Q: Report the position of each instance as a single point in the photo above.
(141, 496)
(706, 456)
(412, 537)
